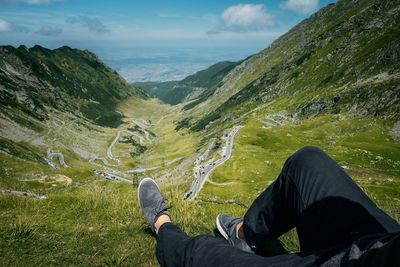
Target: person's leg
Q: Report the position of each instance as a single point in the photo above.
(175, 248)
(315, 195)
(171, 242)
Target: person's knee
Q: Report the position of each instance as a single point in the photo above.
(308, 159)
(308, 151)
(307, 154)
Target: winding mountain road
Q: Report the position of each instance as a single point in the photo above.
(51, 155)
(210, 167)
(115, 175)
(141, 139)
(143, 129)
(109, 149)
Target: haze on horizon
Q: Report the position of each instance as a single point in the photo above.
(153, 40)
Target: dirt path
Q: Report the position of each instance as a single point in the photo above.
(141, 170)
(109, 149)
(220, 184)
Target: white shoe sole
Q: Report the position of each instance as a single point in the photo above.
(221, 229)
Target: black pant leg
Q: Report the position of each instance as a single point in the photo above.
(171, 242)
(314, 194)
(175, 248)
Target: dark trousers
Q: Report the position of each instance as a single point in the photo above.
(336, 222)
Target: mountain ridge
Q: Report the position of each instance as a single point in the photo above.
(332, 82)
(319, 72)
(64, 78)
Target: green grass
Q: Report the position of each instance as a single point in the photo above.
(95, 222)
(89, 225)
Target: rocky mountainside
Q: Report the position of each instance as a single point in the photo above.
(66, 79)
(198, 86)
(344, 58)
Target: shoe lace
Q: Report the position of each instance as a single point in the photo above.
(234, 222)
(160, 208)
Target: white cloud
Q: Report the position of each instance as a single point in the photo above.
(4, 26)
(301, 6)
(244, 18)
(247, 15)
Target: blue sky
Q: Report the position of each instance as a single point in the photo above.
(179, 31)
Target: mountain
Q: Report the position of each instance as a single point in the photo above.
(68, 180)
(195, 87)
(344, 58)
(66, 79)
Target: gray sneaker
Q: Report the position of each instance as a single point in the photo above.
(227, 227)
(151, 201)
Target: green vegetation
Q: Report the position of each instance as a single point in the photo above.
(99, 222)
(165, 91)
(66, 79)
(332, 81)
(328, 59)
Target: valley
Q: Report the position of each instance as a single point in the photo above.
(75, 138)
(104, 213)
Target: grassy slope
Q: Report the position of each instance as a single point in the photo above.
(98, 223)
(362, 146)
(65, 79)
(94, 222)
(168, 144)
(163, 91)
(89, 222)
(328, 58)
